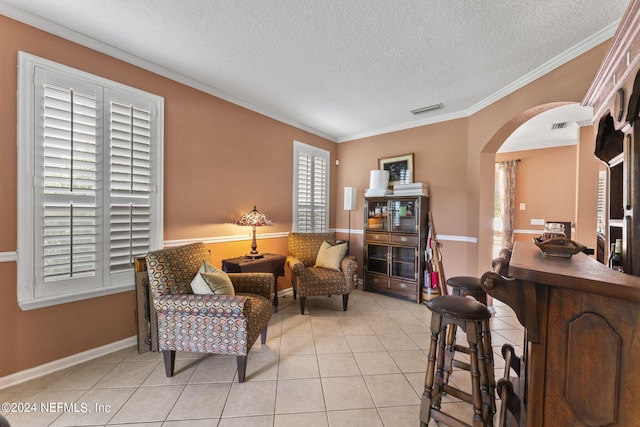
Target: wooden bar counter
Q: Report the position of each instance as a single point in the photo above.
(581, 365)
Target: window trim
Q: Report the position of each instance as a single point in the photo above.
(299, 147)
(26, 149)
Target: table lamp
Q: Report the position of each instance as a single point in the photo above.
(254, 219)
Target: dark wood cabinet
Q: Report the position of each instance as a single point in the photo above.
(615, 97)
(395, 235)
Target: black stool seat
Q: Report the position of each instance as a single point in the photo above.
(459, 308)
(467, 286)
(465, 282)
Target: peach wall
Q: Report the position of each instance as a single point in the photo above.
(220, 160)
(558, 184)
(546, 184)
(587, 170)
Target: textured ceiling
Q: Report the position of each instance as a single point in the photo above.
(341, 69)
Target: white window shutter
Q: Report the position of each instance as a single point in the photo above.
(68, 220)
(130, 183)
(311, 189)
(305, 192)
(320, 189)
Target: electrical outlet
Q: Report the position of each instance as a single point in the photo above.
(522, 206)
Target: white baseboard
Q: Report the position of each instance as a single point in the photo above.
(66, 362)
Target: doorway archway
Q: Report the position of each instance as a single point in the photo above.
(585, 183)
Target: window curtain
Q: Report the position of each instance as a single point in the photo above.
(508, 200)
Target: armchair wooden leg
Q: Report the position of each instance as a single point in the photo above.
(169, 361)
(302, 301)
(242, 367)
(263, 335)
(345, 301)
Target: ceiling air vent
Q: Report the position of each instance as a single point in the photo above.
(557, 126)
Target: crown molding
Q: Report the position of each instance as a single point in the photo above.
(577, 50)
(101, 47)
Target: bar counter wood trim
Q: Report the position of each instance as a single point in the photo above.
(579, 272)
(582, 338)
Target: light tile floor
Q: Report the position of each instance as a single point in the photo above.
(364, 367)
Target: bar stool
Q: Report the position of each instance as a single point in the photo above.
(462, 286)
(470, 286)
(467, 286)
(449, 311)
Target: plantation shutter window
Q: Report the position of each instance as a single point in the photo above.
(90, 172)
(69, 211)
(67, 221)
(311, 189)
(130, 189)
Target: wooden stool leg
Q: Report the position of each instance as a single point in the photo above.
(438, 386)
(489, 381)
(450, 352)
(427, 395)
(476, 396)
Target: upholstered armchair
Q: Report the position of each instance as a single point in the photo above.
(311, 280)
(212, 323)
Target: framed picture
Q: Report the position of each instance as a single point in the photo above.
(400, 168)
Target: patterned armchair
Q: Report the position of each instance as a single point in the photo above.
(308, 280)
(220, 324)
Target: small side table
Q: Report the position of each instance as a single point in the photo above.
(269, 263)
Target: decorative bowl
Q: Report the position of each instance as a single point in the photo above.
(559, 246)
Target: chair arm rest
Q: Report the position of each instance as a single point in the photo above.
(202, 305)
(349, 267)
(254, 283)
(295, 264)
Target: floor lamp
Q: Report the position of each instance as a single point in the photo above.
(350, 205)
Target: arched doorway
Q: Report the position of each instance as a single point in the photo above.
(546, 190)
(572, 182)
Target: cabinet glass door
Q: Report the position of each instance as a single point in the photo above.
(377, 215)
(377, 258)
(404, 215)
(403, 262)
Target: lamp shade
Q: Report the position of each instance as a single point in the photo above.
(253, 218)
(350, 198)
